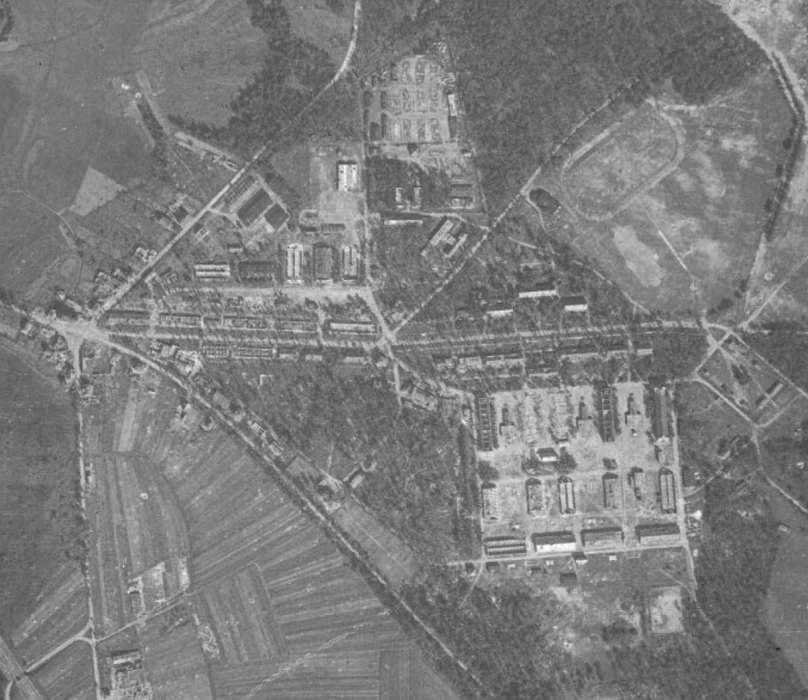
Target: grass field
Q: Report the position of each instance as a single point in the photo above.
(626, 158)
(196, 62)
(37, 482)
(276, 609)
(69, 674)
(689, 240)
(137, 524)
(324, 23)
(59, 612)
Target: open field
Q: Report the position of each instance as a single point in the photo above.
(197, 62)
(324, 23)
(69, 674)
(30, 244)
(60, 611)
(686, 239)
(275, 608)
(37, 483)
(604, 175)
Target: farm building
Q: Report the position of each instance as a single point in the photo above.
(352, 326)
(276, 217)
(323, 262)
(505, 546)
(667, 491)
(643, 346)
(256, 205)
(661, 422)
(486, 422)
(575, 304)
(255, 270)
(611, 488)
(451, 102)
(658, 533)
(490, 498)
(347, 176)
(602, 537)
(547, 456)
(447, 238)
(499, 310)
(212, 270)
(566, 495)
(294, 262)
(607, 411)
(554, 541)
(461, 195)
(349, 262)
(542, 290)
(568, 579)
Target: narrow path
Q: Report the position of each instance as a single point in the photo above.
(80, 636)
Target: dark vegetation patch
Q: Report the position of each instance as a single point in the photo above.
(29, 242)
(40, 522)
(293, 71)
(676, 354)
(419, 463)
(6, 19)
(785, 345)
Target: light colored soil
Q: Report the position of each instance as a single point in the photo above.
(640, 259)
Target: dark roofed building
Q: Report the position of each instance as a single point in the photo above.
(256, 205)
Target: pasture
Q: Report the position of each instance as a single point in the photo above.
(197, 61)
(276, 608)
(69, 674)
(59, 612)
(38, 479)
(137, 525)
